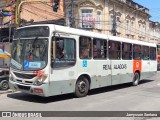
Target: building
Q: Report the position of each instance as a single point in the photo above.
(123, 18)
(40, 11)
(154, 31)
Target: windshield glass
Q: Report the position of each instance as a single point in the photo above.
(39, 31)
(29, 54)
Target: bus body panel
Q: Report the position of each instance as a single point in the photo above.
(103, 73)
(121, 71)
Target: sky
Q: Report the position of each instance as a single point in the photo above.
(153, 6)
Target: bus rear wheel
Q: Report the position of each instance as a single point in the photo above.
(82, 87)
(136, 79)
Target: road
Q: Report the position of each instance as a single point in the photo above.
(144, 97)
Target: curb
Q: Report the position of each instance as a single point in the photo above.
(6, 91)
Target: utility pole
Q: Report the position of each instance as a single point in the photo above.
(17, 13)
(72, 13)
(114, 24)
(1, 14)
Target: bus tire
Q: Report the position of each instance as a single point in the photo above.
(81, 87)
(4, 85)
(136, 79)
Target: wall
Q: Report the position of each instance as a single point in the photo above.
(41, 11)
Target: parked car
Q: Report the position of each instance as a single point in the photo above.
(4, 79)
(4, 71)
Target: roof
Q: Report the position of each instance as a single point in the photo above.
(73, 31)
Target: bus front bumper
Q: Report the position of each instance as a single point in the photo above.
(30, 89)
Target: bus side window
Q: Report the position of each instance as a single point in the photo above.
(64, 50)
(114, 50)
(137, 52)
(145, 52)
(85, 47)
(126, 51)
(99, 48)
(152, 53)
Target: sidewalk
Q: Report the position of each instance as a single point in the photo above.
(6, 91)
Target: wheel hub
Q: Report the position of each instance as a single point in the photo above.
(82, 86)
(4, 85)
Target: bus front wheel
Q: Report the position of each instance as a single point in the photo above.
(82, 87)
(136, 79)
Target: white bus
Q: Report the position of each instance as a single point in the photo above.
(50, 60)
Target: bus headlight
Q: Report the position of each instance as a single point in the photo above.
(39, 81)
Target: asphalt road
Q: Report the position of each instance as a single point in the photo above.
(144, 97)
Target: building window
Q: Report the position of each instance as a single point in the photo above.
(99, 20)
(87, 18)
(114, 50)
(85, 47)
(118, 24)
(127, 27)
(144, 29)
(99, 48)
(111, 21)
(140, 30)
(132, 27)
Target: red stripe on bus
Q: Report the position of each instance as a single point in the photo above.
(137, 65)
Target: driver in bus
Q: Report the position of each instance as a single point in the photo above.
(60, 54)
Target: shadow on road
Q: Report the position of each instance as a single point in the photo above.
(38, 99)
(116, 87)
(45, 100)
(145, 81)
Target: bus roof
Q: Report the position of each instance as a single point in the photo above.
(73, 31)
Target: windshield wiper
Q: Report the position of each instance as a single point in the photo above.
(33, 44)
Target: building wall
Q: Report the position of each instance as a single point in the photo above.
(40, 11)
(35, 11)
(137, 27)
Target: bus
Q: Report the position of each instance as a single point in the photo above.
(49, 60)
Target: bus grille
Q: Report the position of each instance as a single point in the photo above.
(25, 82)
(23, 87)
(24, 76)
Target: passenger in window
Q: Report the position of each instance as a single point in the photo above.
(84, 53)
(102, 52)
(94, 51)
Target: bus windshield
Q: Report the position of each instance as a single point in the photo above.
(29, 54)
(38, 31)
